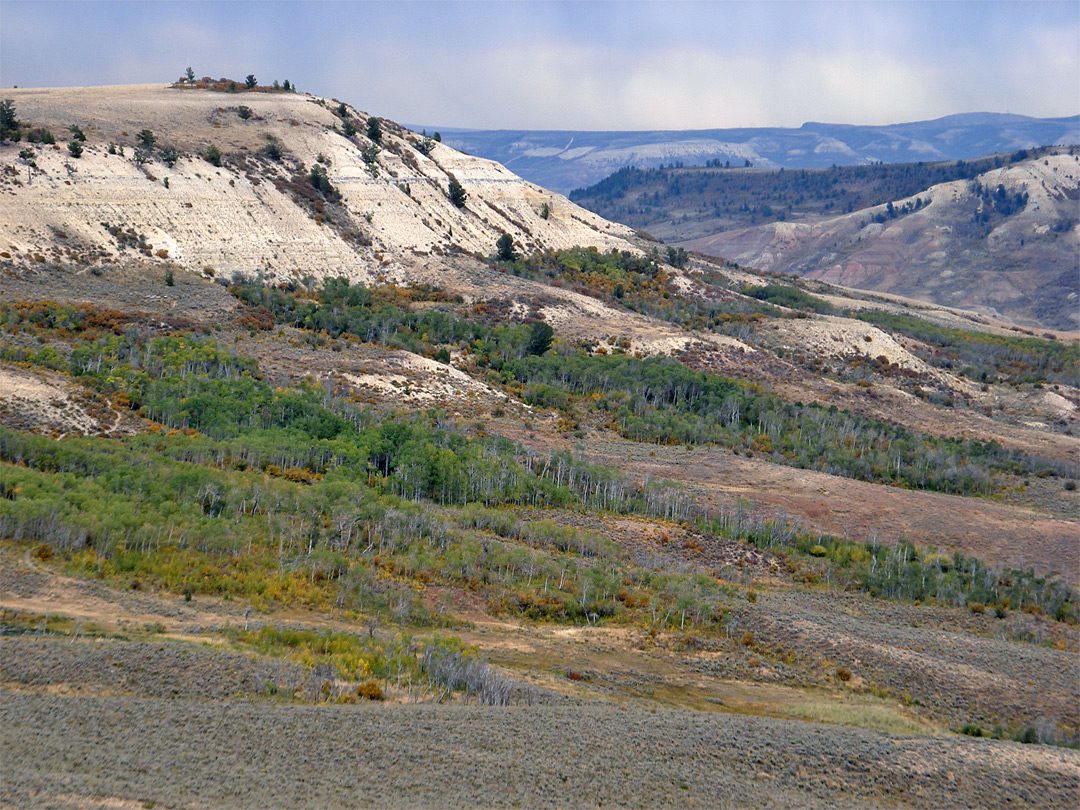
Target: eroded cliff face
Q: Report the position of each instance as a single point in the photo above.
(1021, 264)
(255, 214)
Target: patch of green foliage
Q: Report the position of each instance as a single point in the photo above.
(292, 497)
(901, 570)
(385, 315)
(985, 357)
(661, 401)
(785, 295)
(132, 514)
(640, 284)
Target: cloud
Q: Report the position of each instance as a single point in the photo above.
(579, 65)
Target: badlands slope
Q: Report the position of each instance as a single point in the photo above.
(233, 219)
(1023, 265)
(242, 218)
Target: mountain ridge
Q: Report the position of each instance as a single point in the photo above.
(546, 157)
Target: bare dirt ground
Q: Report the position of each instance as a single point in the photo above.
(42, 401)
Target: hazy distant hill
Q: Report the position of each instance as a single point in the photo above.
(565, 160)
(1005, 242)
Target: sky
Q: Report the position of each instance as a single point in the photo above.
(579, 65)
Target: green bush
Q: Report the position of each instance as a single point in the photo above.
(374, 130)
(791, 297)
(457, 193)
(169, 155)
(504, 248)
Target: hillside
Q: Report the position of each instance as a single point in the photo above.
(302, 468)
(246, 215)
(566, 160)
(998, 234)
(684, 203)
(1004, 243)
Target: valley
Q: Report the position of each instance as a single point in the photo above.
(996, 235)
(304, 475)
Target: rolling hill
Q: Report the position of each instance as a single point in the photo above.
(997, 234)
(313, 492)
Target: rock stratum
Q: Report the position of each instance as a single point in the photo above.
(245, 216)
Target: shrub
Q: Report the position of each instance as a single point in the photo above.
(458, 195)
(244, 111)
(843, 673)
(370, 691)
(677, 257)
(540, 338)
(374, 131)
(971, 729)
(251, 82)
(169, 155)
(76, 133)
(213, 155)
(273, 148)
(978, 608)
(9, 121)
(75, 148)
(818, 551)
(319, 179)
(505, 248)
(40, 135)
(147, 139)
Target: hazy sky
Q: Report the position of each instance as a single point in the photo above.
(579, 65)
